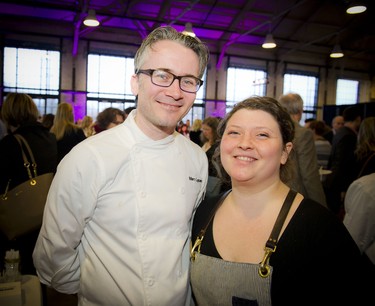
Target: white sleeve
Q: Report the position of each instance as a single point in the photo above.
(70, 204)
(360, 213)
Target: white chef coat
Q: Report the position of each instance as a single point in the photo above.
(116, 226)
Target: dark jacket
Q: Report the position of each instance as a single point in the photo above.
(43, 145)
(70, 139)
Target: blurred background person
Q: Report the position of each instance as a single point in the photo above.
(359, 219)
(184, 130)
(20, 115)
(47, 120)
(308, 122)
(188, 124)
(322, 145)
(68, 134)
(337, 123)
(3, 129)
(209, 133)
(365, 149)
(87, 125)
(108, 118)
(195, 132)
(128, 110)
(210, 138)
(306, 178)
(342, 161)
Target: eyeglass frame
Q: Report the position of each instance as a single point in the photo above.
(150, 73)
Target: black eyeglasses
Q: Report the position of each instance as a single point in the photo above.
(164, 78)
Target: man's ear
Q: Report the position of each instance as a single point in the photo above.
(134, 84)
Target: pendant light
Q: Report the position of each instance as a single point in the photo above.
(188, 29)
(336, 52)
(91, 20)
(356, 8)
(269, 42)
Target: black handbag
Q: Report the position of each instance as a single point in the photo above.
(21, 209)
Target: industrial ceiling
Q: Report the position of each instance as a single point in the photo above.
(305, 30)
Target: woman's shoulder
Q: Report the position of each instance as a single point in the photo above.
(317, 224)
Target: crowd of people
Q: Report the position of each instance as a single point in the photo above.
(135, 192)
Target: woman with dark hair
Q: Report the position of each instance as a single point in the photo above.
(20, 115)
(262, 243)
(109, 118)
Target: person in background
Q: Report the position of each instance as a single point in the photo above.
(184, 130)
(117, 221)
(365, 148)
(195, 132)
(308, 121)
(209, 135)
(3, 129)
(108, 118)
(87, 125)
(47, 120)
(67, 133)
(306, 178)
(188, 124)
(322, 145)
(342, 161)
(235, 260)
(20, 115)
(128, 110)
(359, 216)
(337, 123)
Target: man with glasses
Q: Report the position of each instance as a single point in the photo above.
(117, 221)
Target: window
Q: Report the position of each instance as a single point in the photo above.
(35, 72)
(346, 92)
(243, 83)
(108, 83)
(307, 87)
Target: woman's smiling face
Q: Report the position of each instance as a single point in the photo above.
(252, 146)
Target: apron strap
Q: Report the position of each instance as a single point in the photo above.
(270, 247)
(198, 241)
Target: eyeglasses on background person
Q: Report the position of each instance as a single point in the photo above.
(164, 78)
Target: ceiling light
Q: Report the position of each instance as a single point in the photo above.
(269, 42)
(336, 52)
(91, 20)
(356, 8)
(188, 30)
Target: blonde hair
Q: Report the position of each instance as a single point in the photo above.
(64, 121)
(197, 125)
(366, 138)
(87, 126)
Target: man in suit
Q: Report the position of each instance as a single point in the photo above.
(337, 123)
(306, 178)
(342, 161)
